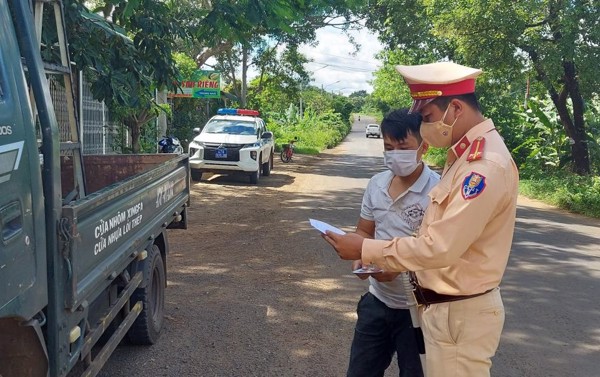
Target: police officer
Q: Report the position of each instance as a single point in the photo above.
(462, 248)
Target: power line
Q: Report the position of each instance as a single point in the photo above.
(343, 68)
(346, 57)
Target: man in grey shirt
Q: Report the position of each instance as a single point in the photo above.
(393, 206)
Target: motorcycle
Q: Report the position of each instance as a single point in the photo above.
(169, 144)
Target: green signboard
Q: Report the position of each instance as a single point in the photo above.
(202, 84)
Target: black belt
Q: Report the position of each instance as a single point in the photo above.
(426, 296)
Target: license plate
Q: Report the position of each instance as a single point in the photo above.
(221, 153)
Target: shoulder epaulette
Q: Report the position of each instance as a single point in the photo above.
(476, 152)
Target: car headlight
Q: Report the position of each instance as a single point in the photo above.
(253, 145)
(195, 146)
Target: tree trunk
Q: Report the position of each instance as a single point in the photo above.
(135, 130)
(244, 90)
(574, 127)
(579, 149)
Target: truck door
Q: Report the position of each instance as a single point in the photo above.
(22, 237)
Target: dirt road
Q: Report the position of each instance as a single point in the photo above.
(254, 290)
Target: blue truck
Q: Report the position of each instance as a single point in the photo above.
(78, 273)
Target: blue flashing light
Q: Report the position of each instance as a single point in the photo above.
(227, 111)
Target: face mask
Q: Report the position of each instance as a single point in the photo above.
(401, 162)
(438, 134)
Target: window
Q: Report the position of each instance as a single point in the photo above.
(230, 127)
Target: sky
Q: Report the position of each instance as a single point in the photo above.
(335, 68)
(335, 65)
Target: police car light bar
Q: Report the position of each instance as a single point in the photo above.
(230, 111)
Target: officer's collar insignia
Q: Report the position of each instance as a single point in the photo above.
(476, 151)
(461, 146)
(473, 186)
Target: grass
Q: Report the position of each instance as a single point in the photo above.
(299, 149)
(571, 192)
(567, 191)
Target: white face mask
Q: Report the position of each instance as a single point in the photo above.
(402, 162)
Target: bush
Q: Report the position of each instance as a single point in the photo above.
(436, 157)
(314, 132)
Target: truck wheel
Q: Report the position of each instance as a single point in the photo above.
(196, 175)
(146, 328)
(267, 166)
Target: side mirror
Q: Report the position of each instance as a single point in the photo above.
(267, 135)
(196, 131)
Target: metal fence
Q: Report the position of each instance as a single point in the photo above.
(99, 133)
(98, 130)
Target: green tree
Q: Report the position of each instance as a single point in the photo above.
(236, 32)
(554, 42)
(125, 67)
(389, 90)
(357, 99)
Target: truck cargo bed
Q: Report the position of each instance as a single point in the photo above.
(108, 228)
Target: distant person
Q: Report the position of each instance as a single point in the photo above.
(359, 118)
(462, 248)
(393, 206)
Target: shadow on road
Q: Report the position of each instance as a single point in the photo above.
(550, 290)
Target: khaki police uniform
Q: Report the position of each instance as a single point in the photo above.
(461, 251)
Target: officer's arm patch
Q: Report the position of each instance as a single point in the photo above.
(473, 186)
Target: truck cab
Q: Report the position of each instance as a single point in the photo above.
(233, 141)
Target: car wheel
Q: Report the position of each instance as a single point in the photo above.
(267, 166)
(146, 328)
(256, 175)
(196, 175)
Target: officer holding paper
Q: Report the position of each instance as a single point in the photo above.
(462, 247)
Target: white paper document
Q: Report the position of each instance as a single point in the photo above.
(323, 227)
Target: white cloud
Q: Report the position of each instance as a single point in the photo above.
(336, 67)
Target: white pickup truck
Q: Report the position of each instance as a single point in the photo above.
(233, 141)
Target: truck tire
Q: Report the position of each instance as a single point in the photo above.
(146, 328)
(196, 175)
(267, 166)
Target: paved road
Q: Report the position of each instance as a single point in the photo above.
(268, 297)
(551, 288)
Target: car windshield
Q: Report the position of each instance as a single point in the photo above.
(373, 126)
(231, 127)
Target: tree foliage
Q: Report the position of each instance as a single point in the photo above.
(553, 43)
(129, 64)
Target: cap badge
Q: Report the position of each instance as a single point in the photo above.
(473, 186)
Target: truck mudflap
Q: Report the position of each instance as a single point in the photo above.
(104, 232)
